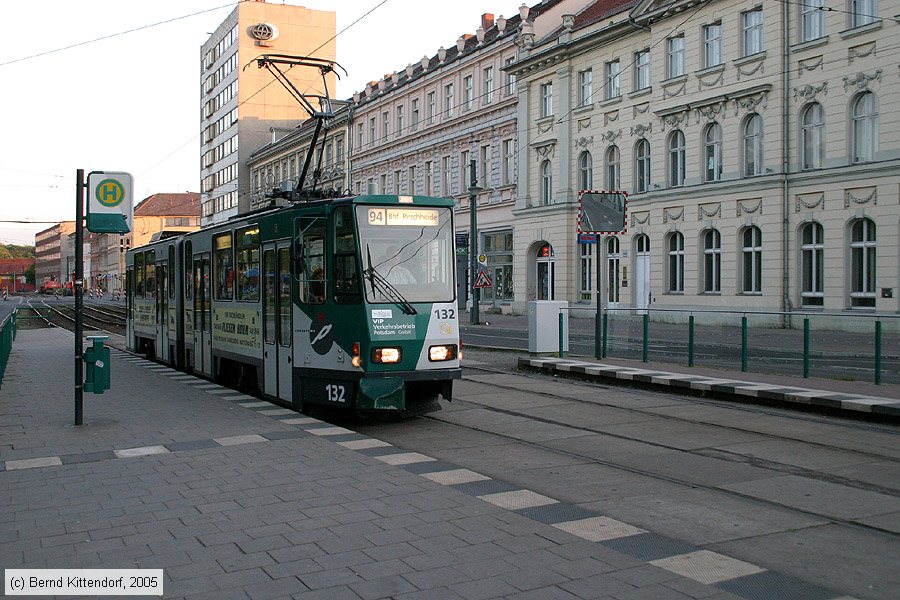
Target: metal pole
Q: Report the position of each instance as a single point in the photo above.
(691, 341)
(744, 344)
(473, 240)
(600, 317)
(562, 351)
(877, 352)
(79, 275)
(806, 347)
(645, 350)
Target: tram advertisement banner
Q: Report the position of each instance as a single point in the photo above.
(145, 316)
(391, 324)
(237, 329)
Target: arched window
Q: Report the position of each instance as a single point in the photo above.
(812, 265)
(864, 125)
(676, 158)
(712, 152)
(586, 171)
(751, 264)
(812, 137)
(641, 166)
(712, 262)
(862, 260)
(675, 251)
(612, 168)
(546, 182)
(753, 145)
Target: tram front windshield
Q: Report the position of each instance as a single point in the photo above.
(409, 248)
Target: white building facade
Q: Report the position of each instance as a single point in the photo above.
(757, 142)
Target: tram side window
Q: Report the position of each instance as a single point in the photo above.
(171, 273)
(224, 267)
(346, 273)
(188, 279)
(150, 270)
(139, 274)
(312, 255)
(129, 293)
(247, 241)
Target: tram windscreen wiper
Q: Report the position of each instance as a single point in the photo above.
(384, 287)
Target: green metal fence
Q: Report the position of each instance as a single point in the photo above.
(862, 347)
(7, 336)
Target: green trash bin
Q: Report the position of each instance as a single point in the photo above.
(96, 360)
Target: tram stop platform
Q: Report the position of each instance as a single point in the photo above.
(234, 497)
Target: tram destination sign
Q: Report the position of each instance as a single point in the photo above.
(602, 212)
(110, 206)
(406, 217)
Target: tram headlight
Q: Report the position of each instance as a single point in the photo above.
(443, 352)
(354, 350)
(386, 355)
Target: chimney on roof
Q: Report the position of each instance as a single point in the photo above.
(487, 21)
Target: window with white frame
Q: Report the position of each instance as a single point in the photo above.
(675, 263)
(484, 167)
(339, 150)
(429, 183)
(752, 31)
(642, 69)
(414, 115)
(385, 124)
(432, 107)
(508, 162)
(464, 171)
(547, 99)
(383, 189)
(400, 123)
(611, 158)
(397, 181)
(448, 100)
(753, 145)
(712, 262)
(585, 87)
(751, 263)
(372, 134)
(586, 256)
(712, 152)
(359, 135)
(812, 137)
(546, 182)
(675, 56)
(863, 12)
(812, 20)
(510, 77)
(677, 158)
(411, 179)
(862, 261)
(585, 171)
(712, 45)
(446, 174)
(468, 92)
(488, 85)
(641, 166)
(864, 128)
(613, 84)
(812, 265)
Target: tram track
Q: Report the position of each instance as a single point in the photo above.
(55, 317)
(712, 453)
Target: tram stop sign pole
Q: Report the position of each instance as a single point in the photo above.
(110, 210)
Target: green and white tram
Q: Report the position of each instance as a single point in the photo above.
(347, 302)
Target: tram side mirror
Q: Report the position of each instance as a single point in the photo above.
(299, 258)
(602, 212)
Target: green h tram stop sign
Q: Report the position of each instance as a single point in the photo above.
(110, 207)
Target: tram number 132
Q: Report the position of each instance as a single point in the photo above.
(335, 393)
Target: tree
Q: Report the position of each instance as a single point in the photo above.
(29, 274)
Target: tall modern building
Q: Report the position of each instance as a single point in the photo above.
(241, 103)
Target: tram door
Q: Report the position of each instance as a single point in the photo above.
(202, 316)
(277, 320)
(162, 312)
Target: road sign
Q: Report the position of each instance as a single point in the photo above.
(483, 280)
(110, 206)
(482, 258)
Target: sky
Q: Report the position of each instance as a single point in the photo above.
(107, 85)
